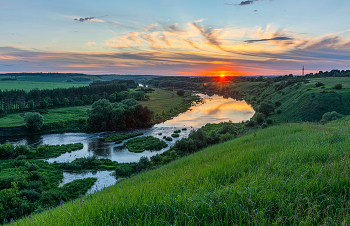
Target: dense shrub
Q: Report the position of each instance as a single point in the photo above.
(124, 171)
(338, 86)
(168, 138)
(259, 118)
(228, 127)
(319, 84)
(277, 104)
(266, 108)
(330, 116)
(250, 123)
(175, 135)
(141, 144)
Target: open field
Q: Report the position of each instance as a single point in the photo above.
(166, 104)
(29, 85)
(67, 114)
(293, 174)
(159, 100)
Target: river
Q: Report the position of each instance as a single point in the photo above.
(214, 109)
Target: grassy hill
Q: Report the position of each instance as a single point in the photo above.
(300, 101)
(292, 174)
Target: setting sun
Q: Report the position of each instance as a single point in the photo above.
(222, 75)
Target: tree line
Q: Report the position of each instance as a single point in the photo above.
(21, 100)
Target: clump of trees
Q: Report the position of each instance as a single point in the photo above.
(21, 100)
(319, 84)
(266, 108)
(34, 121)
(107, 116)
(181, 92)
(330, 116)
(338, 86)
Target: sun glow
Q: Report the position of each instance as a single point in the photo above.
(222, 75)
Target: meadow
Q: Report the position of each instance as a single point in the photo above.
(67, 114)
(292, 174)
(164, 103)
(28, 83)
(300, 101)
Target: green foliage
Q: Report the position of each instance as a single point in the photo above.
(177, 131)
(105, 116)
(277, 104)
(250, 123)
(118, 138)
(330, 116)
(264, 125)
(34, 121)
(301, 170)
(141, 144)
(338, 86)
(124, 171)
(319, 84)
(228, 127)
(180, 92)
(175, 135)
(279, 111)
(259, 118)
(168, 138)
(269, 121)
(77, 187)
(266, 108)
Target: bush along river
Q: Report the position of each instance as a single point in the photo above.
(214, 109)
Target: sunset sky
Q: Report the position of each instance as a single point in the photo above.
(174, 37)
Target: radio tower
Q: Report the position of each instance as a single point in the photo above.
(303, 70)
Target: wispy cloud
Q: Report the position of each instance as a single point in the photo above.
(269, 39)
(210, 34)
(84, 19)
(243, 3)
(90, 43)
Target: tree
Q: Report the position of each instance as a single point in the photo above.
(31, 105)
(34, 121)
(259, 118)
(180, 92)
(99, 118)
(266, 108)
(318, 84)
(338, 86)
(330, 116)
(65, 102)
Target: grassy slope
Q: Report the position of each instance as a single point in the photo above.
(301, 104)
(288, 174)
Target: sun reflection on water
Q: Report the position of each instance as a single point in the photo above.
(215, 109)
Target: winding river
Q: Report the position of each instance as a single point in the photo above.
(214, 109)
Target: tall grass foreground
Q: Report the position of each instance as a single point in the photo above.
(294, 174)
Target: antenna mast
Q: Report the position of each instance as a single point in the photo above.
(303, 70)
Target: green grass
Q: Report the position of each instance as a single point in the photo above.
(160, 100)
(175, 135)
(294, 174)
(68, 114)
(140, 144)
(302, 103)
(167, 104)
(118, 138)
(29, 85)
